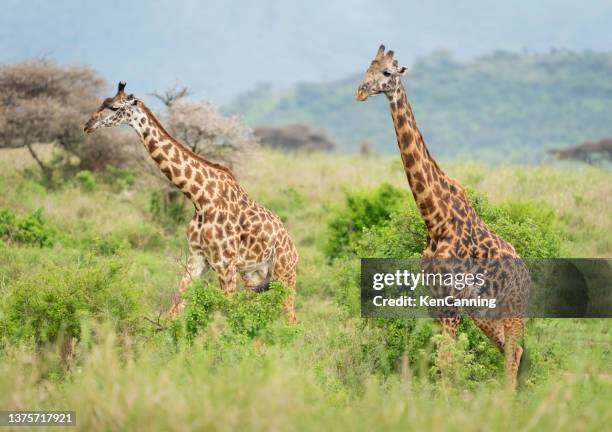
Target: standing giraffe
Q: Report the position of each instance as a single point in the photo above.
(455, 231)
(229, 231)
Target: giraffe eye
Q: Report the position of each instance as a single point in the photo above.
(386, 73)
(113, 108)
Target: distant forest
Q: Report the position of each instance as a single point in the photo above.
(499, 107)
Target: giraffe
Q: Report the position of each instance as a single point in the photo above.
(229, 232)
(454, 230)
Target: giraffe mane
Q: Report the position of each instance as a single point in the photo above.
(190, 152)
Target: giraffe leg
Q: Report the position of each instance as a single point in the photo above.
(289, 309)
(449, 325)
(227, 279)
(513, 351)
(288, 277)
(196, 265)
(505, 333)
(493, 329)
(449, 329)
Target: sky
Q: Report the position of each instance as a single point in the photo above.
(219, 49)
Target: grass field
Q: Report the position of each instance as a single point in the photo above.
(110, 251)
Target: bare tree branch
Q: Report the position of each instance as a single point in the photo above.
(171, 95)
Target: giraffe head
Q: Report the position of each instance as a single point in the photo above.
(115, 110)
(382, 76)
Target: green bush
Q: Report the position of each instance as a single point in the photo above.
(529, 227)
(248, 314)
(362, 209)
(86, 179)
(54, 300)
(31, 229)
(107, 245)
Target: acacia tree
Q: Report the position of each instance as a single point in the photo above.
(43, 102)
(592, 153)
(204, 129)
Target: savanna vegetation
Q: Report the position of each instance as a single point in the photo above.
(502, 107)
(87, 265)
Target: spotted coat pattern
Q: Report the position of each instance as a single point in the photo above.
(454, 229)
(229, 232)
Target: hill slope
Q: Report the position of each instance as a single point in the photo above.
(502, 106)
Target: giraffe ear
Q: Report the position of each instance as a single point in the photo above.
(402, 70)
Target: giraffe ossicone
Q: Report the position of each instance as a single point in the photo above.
(229, 232)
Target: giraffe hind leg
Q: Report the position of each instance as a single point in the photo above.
(288, 277)
(505, 333)
(493, 329)
(513, 330)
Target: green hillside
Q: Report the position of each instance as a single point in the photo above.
(503, 106)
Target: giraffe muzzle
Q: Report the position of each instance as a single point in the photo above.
(361, 94)
(88, 128)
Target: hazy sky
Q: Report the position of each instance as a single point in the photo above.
(224, 47)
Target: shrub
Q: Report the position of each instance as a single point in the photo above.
(54, 301)
(86, 179)
(248, 314)
(362, 209)
(107, 245)
(31, 229)
(202, 301)
(529, 227)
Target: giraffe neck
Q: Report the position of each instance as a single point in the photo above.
(431, 187)
(194, 176)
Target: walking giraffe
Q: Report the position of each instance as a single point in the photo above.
(229, 232)
(455, 231)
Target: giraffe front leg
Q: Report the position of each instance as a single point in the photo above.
(227, 279)
(196, 265)
(445, 354)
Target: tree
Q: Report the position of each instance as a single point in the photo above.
(295, 136)
(43, 102)
(204, 129)
(589, 152)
